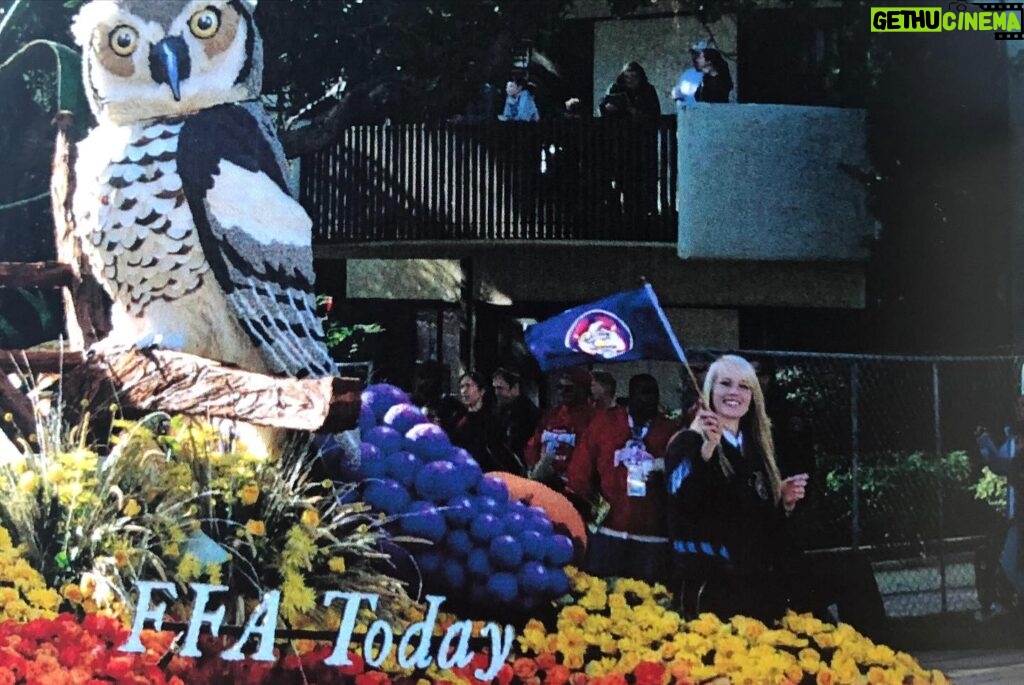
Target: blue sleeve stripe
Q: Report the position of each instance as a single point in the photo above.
(703, 548)
(678, 476)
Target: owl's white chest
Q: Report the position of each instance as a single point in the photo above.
(132, 217)
(137, 231)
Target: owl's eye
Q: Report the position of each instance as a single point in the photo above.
(205, 23)
(123, 40)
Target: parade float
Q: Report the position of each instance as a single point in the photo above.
(170, 559)
(140, 544)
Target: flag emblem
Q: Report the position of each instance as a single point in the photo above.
(599, 333)
(623, 327)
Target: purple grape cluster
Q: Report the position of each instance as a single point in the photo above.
(486, 548)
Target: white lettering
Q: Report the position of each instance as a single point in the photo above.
(425, 629)
(146, 612)
(200, 616)
(461, 657)
(267, 610)
(499, 651)
(339, 657)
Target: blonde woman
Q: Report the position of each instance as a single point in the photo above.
(728, 502)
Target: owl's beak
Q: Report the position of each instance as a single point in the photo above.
(169, 63)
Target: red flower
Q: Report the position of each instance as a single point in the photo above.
(373, 678)
(649, 673)
(357, 666)
(505, 674)
(556, 675)
(546, 661)
(578, 678)
(524, 667)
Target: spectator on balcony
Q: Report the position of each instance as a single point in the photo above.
(477, 431)
(716, 84)
(689, 81)
(517, 414)
(487, 105)
(633, 162)
(620, 462)
(602, 390)
(560, 429)
(519, 104)
(631, 96)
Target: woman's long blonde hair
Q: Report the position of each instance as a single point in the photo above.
(755, 423)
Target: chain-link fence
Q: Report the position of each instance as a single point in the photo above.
(889, 442)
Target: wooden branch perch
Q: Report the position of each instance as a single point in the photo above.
(180, 383)
(35, 275)
(86, 306)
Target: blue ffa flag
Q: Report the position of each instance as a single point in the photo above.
(621, 328)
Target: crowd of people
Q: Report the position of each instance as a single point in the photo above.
(697, 501)
(631, 95)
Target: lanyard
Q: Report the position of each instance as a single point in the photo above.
(637, 435)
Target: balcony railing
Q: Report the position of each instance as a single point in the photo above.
(593, 180)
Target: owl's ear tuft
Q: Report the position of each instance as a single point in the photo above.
(89, 17)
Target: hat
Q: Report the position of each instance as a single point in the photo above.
(698, 46)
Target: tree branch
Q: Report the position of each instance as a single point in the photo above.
(35, 275)
(180, 383)
(325, 128)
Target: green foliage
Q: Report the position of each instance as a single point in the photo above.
(432, 57)
(28, 317)
(992, 489)
(348, 341)
(903, 498)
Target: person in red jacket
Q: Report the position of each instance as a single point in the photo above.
(549, 449)
(622, 458)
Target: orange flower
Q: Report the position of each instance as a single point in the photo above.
(524, 667)
(556, 675)
(578, 678)
(505, 674)
(648, 673)
(545, 661)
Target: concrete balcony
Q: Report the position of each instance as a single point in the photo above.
(764, 183)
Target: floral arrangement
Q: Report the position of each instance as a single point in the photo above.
(172, 500)
(624, 632)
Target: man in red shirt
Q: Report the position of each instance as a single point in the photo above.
(622, 458)
(548, 452)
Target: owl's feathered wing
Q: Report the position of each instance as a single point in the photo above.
(256, 237)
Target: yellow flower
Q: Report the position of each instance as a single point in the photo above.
(299, 549)
(131, 508)
(296, 597)
(573, 614)
(336, 564)
(256, 528)
(72, 593)
(44, 598)
(28, 482)
(311, 518)
(189, 568)
(249, 494)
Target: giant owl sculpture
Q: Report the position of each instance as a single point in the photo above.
(182, 205)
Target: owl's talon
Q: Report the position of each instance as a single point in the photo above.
(165, 341)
